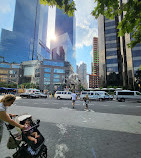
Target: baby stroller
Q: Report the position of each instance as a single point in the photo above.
(24, 147)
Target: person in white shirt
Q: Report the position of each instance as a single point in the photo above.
(5, 102)
(73, 99)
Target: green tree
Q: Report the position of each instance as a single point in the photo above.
(138, 80)
(113, 79)
(67, 6)
(131, 22)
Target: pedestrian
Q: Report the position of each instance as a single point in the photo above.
(86, 101)
(73, 99)
(5, 102)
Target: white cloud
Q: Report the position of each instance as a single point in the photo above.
(91, 53)
(86, 24)
(5, 6)
(80, 62)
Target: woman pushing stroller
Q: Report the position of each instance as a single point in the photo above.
(5, 102)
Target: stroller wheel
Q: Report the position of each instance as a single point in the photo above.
(44, 152)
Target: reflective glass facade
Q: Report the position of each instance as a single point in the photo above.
(115, 55)
(30, 25)
(66, 50)
(136, 55)
(111, 46)
(65, 25)
(53, 63)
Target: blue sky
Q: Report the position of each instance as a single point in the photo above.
(86, 27)
(7, 8)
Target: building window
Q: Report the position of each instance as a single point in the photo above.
(46, 83)
(110, 23)
(53, 63)
(46, 75)
(59, 71)
(4, 65)
(56, 80)
(47, 70)
(56, 76)
(111, 61)
(110, 31)
(111, 45)
(46, 79)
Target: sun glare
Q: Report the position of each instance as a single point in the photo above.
(51, 26)
(53, 37)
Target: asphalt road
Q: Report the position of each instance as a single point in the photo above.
(109, 130)
(113, 107)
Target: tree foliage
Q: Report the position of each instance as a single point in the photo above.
(131, 22)
(113, 79)
(68, 6)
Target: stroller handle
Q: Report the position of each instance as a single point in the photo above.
(33, 127)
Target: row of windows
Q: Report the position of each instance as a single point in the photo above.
(112, 69)
(137, 63)
(111, 61)
(4, 65)
(111, 45)
(110, 31)
(136, 53)
(47, 70)
(110, 38)
(110, 23)
(59, 71)
(111, 53)
(55, 70)
(53, 63)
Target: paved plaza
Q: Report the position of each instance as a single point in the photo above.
(109, 130)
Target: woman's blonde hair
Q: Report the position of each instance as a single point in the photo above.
(8, 97)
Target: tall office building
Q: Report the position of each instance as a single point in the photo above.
(82, 74)
(114, 54)
(94, 77)
(29, 30)
(62, 49)
(95, 65)
(66, 25)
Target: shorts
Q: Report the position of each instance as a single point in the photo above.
(73, 101)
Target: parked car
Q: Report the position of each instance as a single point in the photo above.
(123, 95)
(38, 95)
(63, 95)
(26, 95)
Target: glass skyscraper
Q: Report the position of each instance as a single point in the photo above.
(65, 28)
(29, 27)
(114, 54)
(62, 49)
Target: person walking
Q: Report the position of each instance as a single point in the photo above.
(86, 101)
(73, 99)
(5, 102)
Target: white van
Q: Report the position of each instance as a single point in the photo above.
(91, 94)
(104, 95)
(127, 95)
(63, 95)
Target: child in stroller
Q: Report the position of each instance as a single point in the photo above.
(31, 135)
(29, 148)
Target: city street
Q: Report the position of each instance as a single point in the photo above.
(109, 130)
